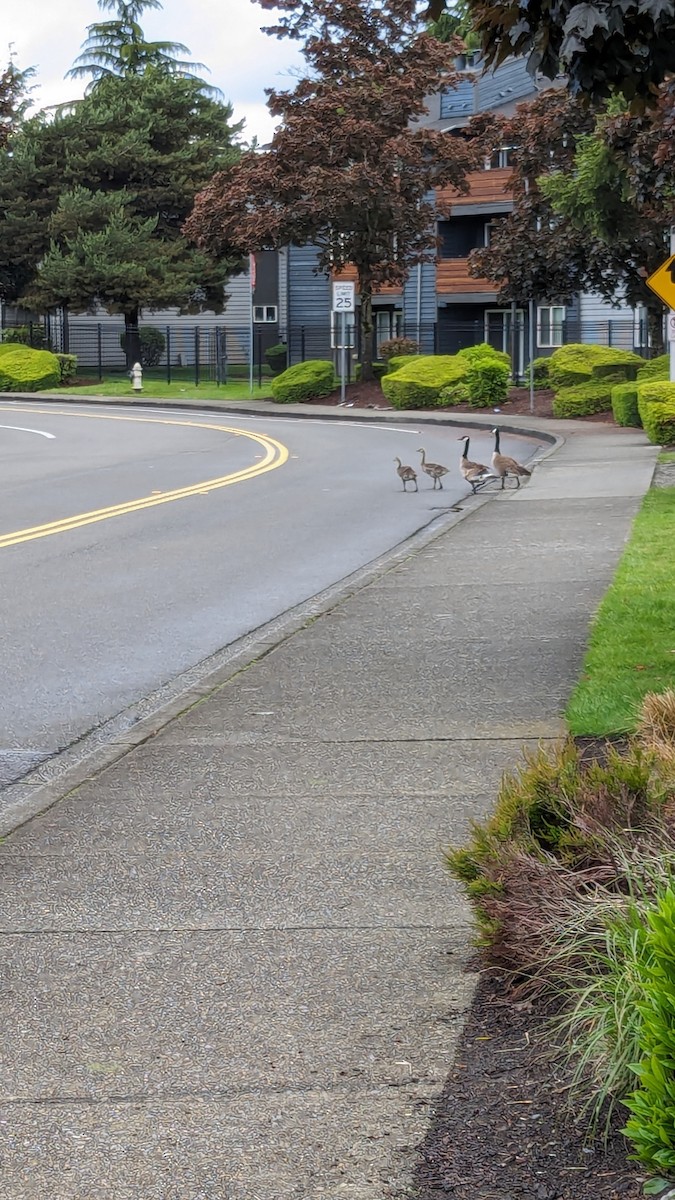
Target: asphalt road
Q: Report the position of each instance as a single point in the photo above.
(134, 545)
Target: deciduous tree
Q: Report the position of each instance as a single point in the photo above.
(348, 169)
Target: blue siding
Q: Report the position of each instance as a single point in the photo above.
(458, 101)
(420, 318)
(309, 306)
(510, 82)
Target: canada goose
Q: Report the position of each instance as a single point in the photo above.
(473, 472)
(502, 465)
(407, 474)
(433, 470)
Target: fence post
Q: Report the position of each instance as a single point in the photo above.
(65, 331)
(260, 364)
(609, 332)
(302, 343)
(197, 356)
(224, 356)
(168, 354)
(99, 350)
(435, 332)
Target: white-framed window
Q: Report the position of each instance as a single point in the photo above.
(487, 233)
(550, 322)
(336, 330)
(265, 314)
(503, 157)
(388, 325)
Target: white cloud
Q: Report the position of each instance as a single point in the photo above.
(224, 34)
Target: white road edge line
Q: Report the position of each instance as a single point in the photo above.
(22, 429)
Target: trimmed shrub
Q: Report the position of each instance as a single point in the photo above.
(487, 382)
(304, 381)
(484, 350)
(456, 393)
(276, 358)
(33, 336)
(12, 347)
(67, 367)
(656, 408)
(654, 369)
(379, 369)
(539, 368)
(624, 404)
(153, 345)
(399, 347)
(399, 361)
(578, 363)
(419, 383)
(29, 370)
(583, 400)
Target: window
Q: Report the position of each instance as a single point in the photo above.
(499, 158)
(387, 325)
(265, 314)
(336, 330)
(459, 236)
(550, 322)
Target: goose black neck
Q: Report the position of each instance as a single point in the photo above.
(466, 447)
(496, 441)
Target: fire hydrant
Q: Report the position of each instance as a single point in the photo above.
(137, 377)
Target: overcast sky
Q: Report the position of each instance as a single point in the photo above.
(223, 34)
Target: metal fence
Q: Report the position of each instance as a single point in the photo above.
(219, 353)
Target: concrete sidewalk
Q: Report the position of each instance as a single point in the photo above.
(233, 960)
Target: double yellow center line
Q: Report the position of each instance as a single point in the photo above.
(275, 455)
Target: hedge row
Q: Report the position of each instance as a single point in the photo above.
(656, 407)
(583, 400)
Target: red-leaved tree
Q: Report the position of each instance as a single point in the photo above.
(348, 169)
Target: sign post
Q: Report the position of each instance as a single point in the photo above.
(343, 303)
(662, 282)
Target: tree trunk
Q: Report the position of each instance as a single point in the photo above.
(655, 328)
(366, 295)
(132, 338)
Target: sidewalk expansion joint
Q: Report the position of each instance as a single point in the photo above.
(195, 930)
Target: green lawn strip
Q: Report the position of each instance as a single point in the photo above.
(666, 456)
(180, 391)
(632, 644)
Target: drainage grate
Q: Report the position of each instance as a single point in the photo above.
(14, 764)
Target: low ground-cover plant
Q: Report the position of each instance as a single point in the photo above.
(583, 400)
(304, 381)
(630, 650)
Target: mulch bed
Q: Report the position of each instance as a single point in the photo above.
(501, 1129)
(370, 395)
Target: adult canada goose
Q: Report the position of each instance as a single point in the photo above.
(474, 473)
(433, 470)
(407, 474)
(502, 465)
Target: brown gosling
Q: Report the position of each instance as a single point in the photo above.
(502, 465)
(433, 470)
(474, 473)
(407, 474)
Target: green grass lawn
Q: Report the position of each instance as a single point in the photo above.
(667, 456)
(182, 390)
(632, 644)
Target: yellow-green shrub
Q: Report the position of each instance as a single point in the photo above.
(484, 350)
(624, 404)
(656, 368)
(579, 363)
(656, 406)
(28, 370)
(583, 400)
(419, 382)
(304, 381)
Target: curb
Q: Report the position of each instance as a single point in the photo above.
(365, 416)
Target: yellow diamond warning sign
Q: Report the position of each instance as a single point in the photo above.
(663, 282)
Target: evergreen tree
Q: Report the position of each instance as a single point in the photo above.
(119, 47)
(14, 98)
(92, 203)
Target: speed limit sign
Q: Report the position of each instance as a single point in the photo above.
(343, 297)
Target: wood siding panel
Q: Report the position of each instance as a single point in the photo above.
(348, 274)
(452, 275)
(485, 187)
